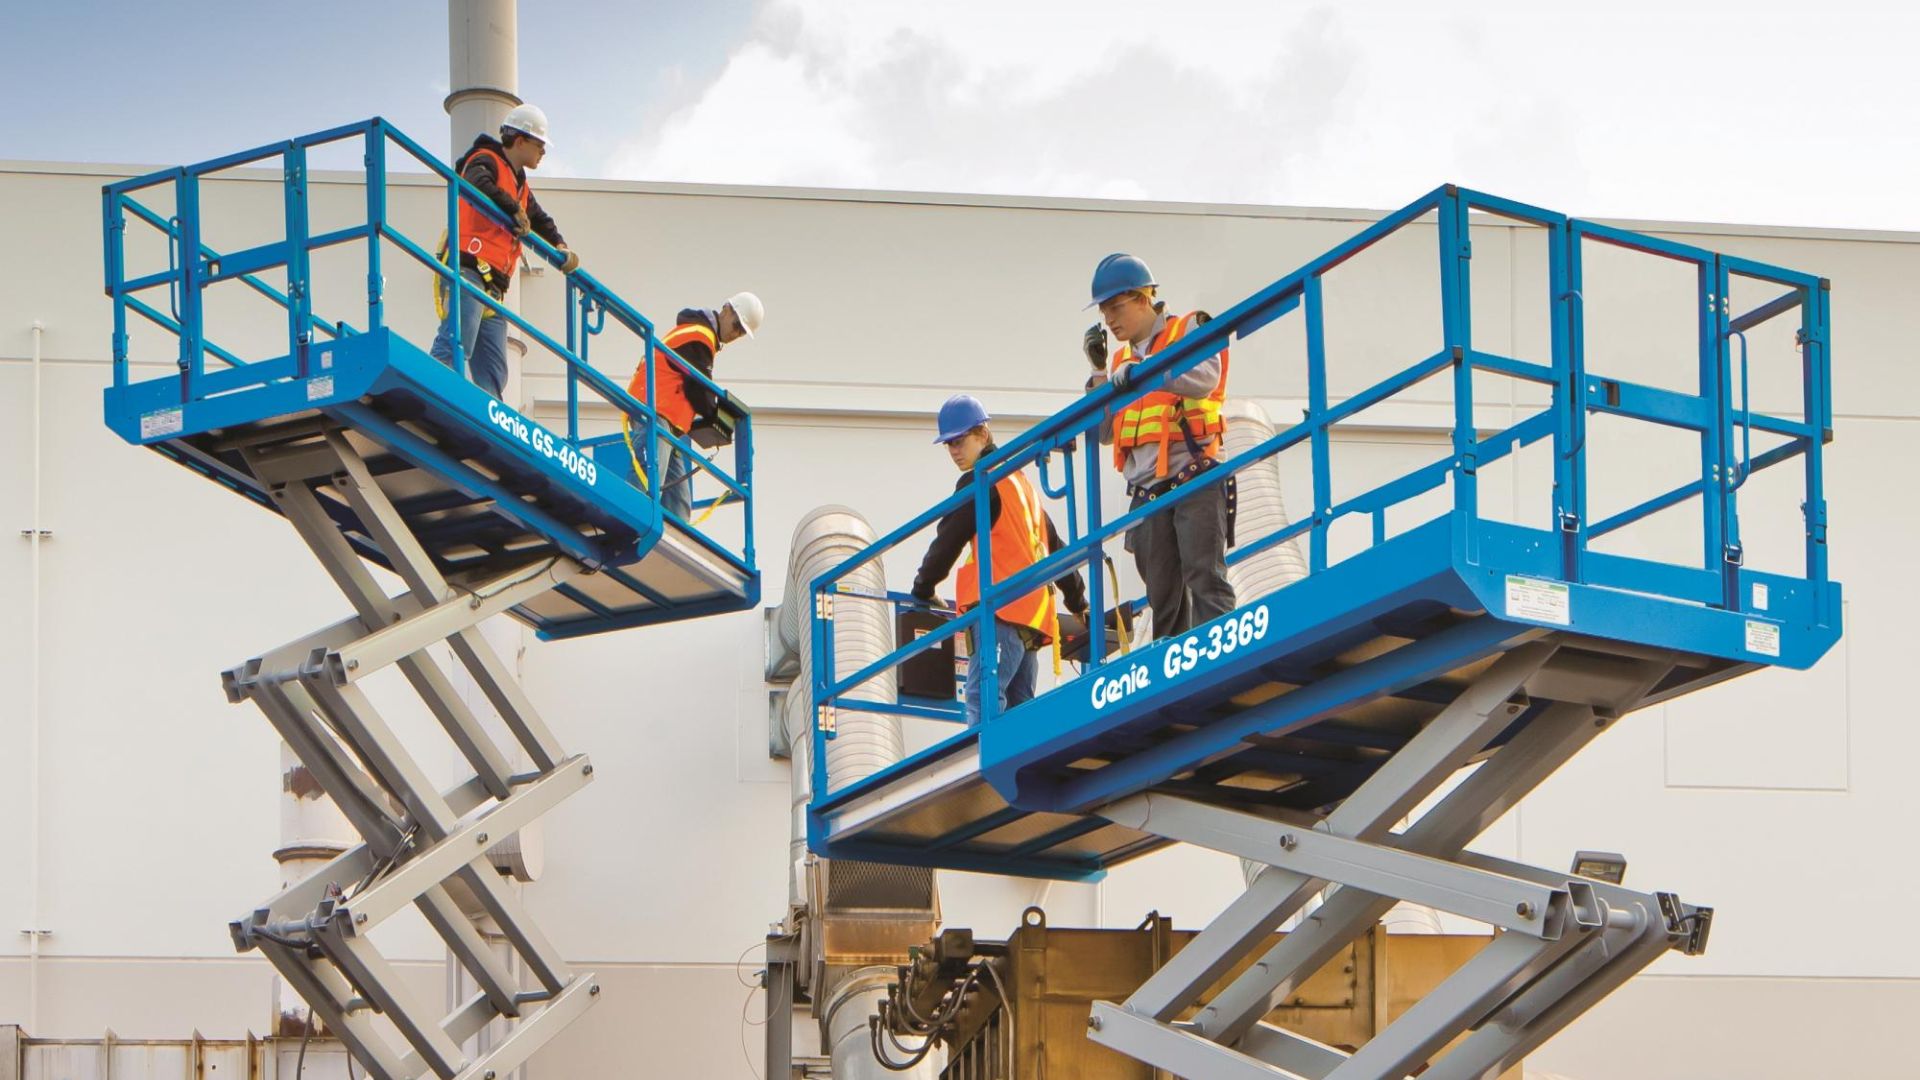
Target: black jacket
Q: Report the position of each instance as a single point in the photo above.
(950, 538)
(478, 169)
(697, 354)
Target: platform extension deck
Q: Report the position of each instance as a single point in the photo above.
(484, 487)
(1325, 681)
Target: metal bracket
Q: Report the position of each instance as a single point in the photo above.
(1692, 924)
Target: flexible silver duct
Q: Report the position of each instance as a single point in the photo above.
(864, 743)
(1262, 512)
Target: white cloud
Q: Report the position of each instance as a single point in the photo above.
(1701, 110)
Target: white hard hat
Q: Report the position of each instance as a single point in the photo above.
(748, 309)
(527, 119)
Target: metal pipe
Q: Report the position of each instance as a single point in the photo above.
(313, 832)
(483, 74)
(36, 531)
(849, 1044)
(483, 77)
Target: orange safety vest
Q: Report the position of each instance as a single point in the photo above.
(1157, 417)
(669, 382)
(1018, 540)
(492, 244)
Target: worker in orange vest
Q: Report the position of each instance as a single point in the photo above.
(1022, 534)
(1162, 440)
(489, 251)
(697, 337)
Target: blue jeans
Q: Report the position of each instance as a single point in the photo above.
(483, 340)
(1014, 671)
(676, 493)
(677, 496)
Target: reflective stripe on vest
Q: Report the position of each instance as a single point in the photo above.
(1018, 540)
(1156, 417)
(485, 239)
(669, 384)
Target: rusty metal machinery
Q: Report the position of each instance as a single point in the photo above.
(1018, 1009)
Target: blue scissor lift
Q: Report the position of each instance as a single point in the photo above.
(376, 452)
(1302, 729)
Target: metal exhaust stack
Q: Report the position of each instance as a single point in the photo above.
(483, 66)
(483, 71)
(483, 74)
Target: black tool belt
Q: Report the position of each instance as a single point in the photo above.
(1196, 465)
(1148, 493)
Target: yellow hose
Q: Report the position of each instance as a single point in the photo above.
(1126, 642)
(626, 432)
(640, 472)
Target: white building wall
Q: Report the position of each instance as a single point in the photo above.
(1772, 798)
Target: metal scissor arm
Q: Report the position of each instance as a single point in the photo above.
(422, 847)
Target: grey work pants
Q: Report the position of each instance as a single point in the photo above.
(1181, 553)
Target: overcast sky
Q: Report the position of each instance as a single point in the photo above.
(1753, 112)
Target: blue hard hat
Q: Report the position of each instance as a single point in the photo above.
(961, 414)
(1119, 273)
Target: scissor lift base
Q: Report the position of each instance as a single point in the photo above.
(1562, 942)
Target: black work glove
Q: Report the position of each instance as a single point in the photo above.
(1094, 344)
(1122, 376)
(924, 594)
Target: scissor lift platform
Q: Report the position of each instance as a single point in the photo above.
(1303, 730)
(374, 451)
(484, 488)
(1337, 672)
